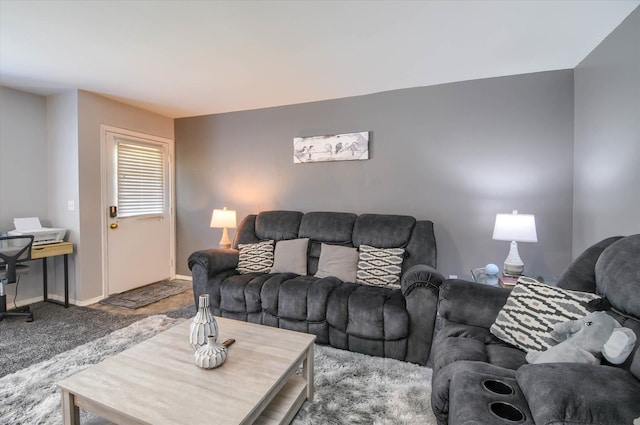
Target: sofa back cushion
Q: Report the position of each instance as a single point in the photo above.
(580, 275)
(383, 231)
(325, 227)
(278, 225)
(345, 229)
(618, 275)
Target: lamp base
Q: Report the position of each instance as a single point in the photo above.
(225, 242)
(513, 265)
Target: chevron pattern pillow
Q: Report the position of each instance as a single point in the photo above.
(255, 257)
(379, 266)
(527, 318)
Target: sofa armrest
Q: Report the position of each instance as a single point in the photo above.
(419, 286)
(214, 260)
(470, 303)
(420, 275)
(605, 395)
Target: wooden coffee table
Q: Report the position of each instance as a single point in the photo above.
(157, 381)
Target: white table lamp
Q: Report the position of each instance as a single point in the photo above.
(223, 219)
(515, 228)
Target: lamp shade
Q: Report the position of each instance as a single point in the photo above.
(223, 218)
(515, 227)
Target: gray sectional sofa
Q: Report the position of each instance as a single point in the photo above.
(480, 379)
(394, 321)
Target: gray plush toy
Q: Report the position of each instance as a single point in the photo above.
(582, 341)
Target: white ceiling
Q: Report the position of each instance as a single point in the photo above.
(186, 58)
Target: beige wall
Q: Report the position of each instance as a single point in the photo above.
(93, 111)
(56, 142)
(62, 181)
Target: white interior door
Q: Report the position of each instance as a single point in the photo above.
(138, 210)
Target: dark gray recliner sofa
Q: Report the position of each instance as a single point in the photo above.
(478, 379)
(392, 321)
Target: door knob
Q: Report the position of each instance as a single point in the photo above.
(114, 225)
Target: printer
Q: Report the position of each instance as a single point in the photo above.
(41, 235)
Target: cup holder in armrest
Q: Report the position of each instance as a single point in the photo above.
(506, 411)
(497, 387)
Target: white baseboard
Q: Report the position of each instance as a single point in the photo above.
(89, 301)
(60, 298)
(21, 303)
(54, 297)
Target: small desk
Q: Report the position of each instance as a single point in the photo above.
(52, 250)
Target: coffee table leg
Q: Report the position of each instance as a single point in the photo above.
(70, 412)
(307, 370)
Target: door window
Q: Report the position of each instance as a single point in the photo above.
(140, 174)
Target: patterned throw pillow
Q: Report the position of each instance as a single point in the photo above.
(379, 266)
(527, 319)
(255, 257)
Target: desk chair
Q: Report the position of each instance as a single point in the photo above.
(13, 251)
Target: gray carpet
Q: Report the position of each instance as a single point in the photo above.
(148, 294)
(350, 388)
(55, 329)
(59, 329)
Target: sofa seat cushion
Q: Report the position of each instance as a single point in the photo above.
(457, 342)
(368, 312)
(290, 296)
(585, 394)
(241, 293)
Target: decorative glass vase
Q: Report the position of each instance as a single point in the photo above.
(211, 355)
(204, 325)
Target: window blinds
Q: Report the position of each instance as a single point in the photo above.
(140, 175)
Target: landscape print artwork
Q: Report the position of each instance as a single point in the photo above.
(340, 147)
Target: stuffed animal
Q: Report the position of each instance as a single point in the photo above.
(582, 341)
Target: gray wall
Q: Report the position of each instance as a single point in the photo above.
(456, 154)
(607, 138)
(23, 156)
(23, 172)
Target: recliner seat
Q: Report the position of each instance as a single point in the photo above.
(466, 354)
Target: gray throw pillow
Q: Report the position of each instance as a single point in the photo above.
(379, 266)
(338, 261)
(255, 257)
(291, 256)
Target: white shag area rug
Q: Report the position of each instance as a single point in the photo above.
(350, 388)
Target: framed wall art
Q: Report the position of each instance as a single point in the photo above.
(339, 147)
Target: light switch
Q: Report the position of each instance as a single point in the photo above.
(71, 205)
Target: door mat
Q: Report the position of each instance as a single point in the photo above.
(146, 295)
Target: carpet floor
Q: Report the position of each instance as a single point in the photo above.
(350, 388)
(59, 329)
